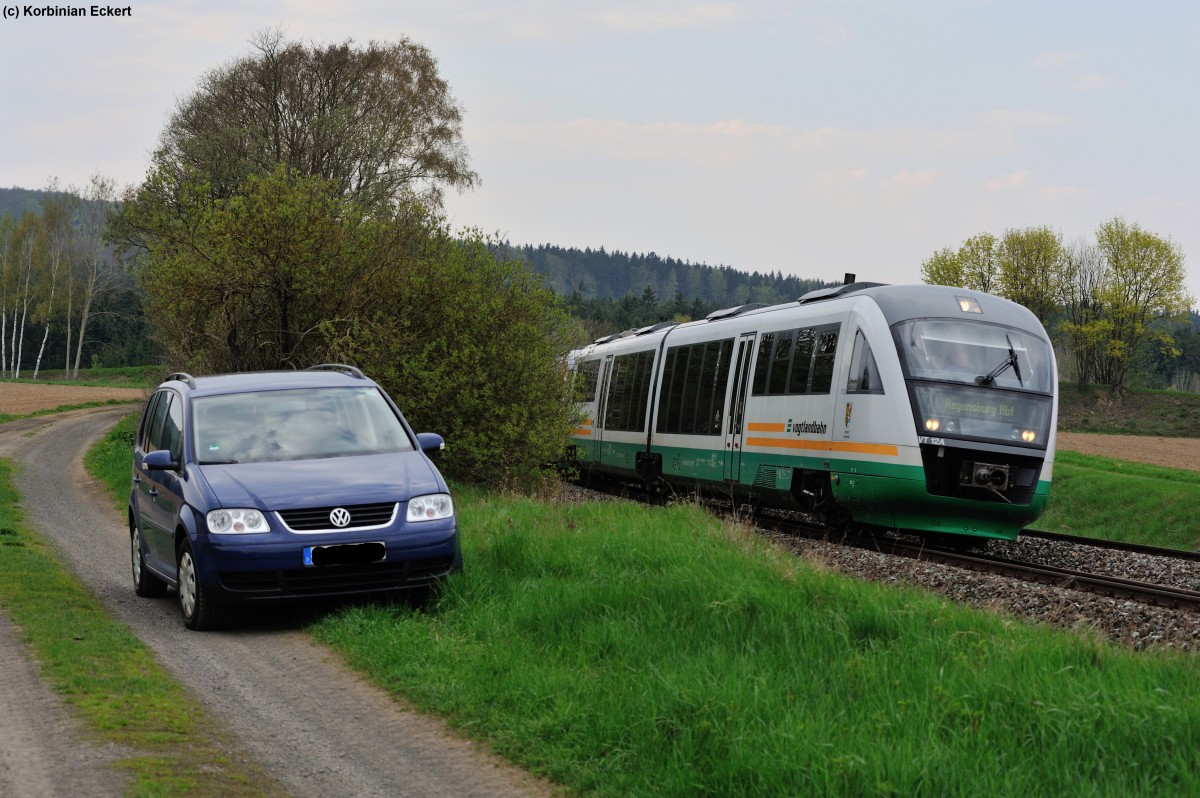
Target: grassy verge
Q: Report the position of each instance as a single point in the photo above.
(116, 686)
(5, 417)
(621, 650)
(117, 377)
(1119, 500)
(1094, 408)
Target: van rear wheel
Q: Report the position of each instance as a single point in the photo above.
(145, 584)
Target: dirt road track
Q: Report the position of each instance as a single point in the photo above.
(311, 722)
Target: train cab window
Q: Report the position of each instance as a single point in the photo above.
(628, 392)
(969, 351)
(796, 361)
(693, 388)
(864, 374)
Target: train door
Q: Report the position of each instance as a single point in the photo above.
(737, 407)
(601, 406)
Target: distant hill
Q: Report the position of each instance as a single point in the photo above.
(15, 201)
(598, 274)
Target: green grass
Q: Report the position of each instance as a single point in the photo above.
(116, 377)
(1119, 500)
(6, 417)
(113, 682)
(1136, 411)
(622, 651)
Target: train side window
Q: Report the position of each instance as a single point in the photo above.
(864, 374)
(803, 361)
(693, 388)
(762, 363)
(823, 355)
(628, 392)
(796, 361)
(781, 361)
(584, 381)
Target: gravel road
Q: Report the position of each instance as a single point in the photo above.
(316, 726)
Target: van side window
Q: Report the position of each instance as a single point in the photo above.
(864, 375)
(154, 422)
(172, 437)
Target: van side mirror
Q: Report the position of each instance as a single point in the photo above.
(430, 442)
(159, 460)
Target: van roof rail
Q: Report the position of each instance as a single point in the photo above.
(340, 367)
(182, 376)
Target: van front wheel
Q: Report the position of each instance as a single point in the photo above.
(196, 606)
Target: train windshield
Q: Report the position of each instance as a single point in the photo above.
(978, 381)
(975, 353)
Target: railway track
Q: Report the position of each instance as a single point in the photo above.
(1173, 596)
(1168, 596)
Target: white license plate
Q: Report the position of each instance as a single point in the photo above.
(344, 554)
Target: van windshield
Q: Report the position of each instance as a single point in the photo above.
(296, 424)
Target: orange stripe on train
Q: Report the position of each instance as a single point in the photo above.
(884, 449)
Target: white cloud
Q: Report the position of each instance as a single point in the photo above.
(920, 178)
(1056, 60)
(1091, 81)
(644, 19)
(1009, 181)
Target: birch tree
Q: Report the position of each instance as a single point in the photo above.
(95, 269)
(56, 243)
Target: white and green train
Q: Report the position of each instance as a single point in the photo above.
(912, 407)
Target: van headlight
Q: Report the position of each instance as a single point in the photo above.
(430, 508)
(236, 521)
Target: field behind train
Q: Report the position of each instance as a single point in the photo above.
(624, 650)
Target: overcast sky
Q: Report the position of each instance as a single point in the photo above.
(812, 138)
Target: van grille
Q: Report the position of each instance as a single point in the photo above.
(316, 519)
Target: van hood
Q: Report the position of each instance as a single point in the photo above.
(323, 482)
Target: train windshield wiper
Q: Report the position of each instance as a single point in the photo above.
(1011, 360)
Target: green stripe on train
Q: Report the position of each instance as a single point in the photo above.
(886, 494)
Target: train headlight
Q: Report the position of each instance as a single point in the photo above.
(932, 424)
(1028, 435)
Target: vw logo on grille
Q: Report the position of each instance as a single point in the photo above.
(339, 517)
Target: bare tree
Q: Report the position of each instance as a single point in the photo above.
(94, 267)
(378, 121)
(26, 235)
(1083, 325)
(7, 261)
(57, 235)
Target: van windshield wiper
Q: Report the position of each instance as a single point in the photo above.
(1011, 360)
